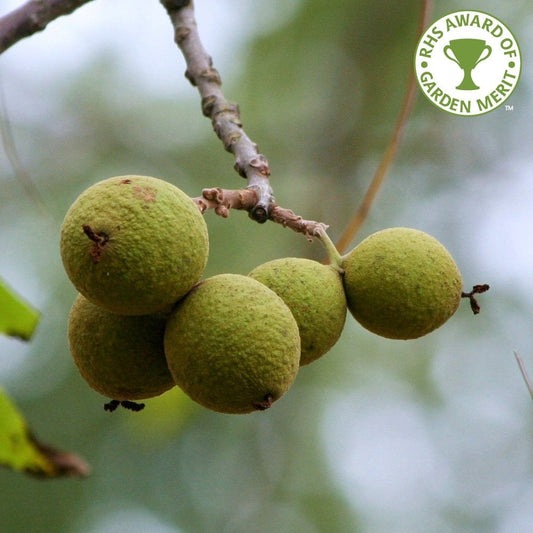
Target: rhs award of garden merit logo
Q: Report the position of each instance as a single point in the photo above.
(468, 63)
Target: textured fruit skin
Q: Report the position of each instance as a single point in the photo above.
(401, 283)
(155, 250)
(121, 357)
(232, 344)
(315, 295)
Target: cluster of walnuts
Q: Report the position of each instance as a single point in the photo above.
(135, 248)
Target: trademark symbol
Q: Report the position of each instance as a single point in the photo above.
(509, 107)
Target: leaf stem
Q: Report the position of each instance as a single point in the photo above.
(392, 148)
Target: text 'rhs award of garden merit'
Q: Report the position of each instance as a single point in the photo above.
(468, 63)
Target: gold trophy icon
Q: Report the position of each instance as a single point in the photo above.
(467, 53)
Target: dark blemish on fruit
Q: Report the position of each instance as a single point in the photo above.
(145, 193)
(99, 240)
(267, 402)
(125, 182)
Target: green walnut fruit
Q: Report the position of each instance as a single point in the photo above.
(134, 244)
(401, 283)
(315, 295)
(121, 357)
(232, 344)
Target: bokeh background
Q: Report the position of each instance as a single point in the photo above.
(434, 434)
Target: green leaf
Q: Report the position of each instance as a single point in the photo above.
(17, 317)
(21, 451)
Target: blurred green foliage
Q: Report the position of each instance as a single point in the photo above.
(17, 317)
(17, 451)
(428, 435)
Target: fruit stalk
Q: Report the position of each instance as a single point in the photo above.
(333, 254)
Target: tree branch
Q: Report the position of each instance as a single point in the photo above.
(222, 200)
(32, 17)
(258, 197)
(224, 115)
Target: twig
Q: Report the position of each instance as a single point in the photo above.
(289, 219)
(222, 200)
(391, 150)
(31, 17)
(524, 373)
(258, 197)
(224, 115)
